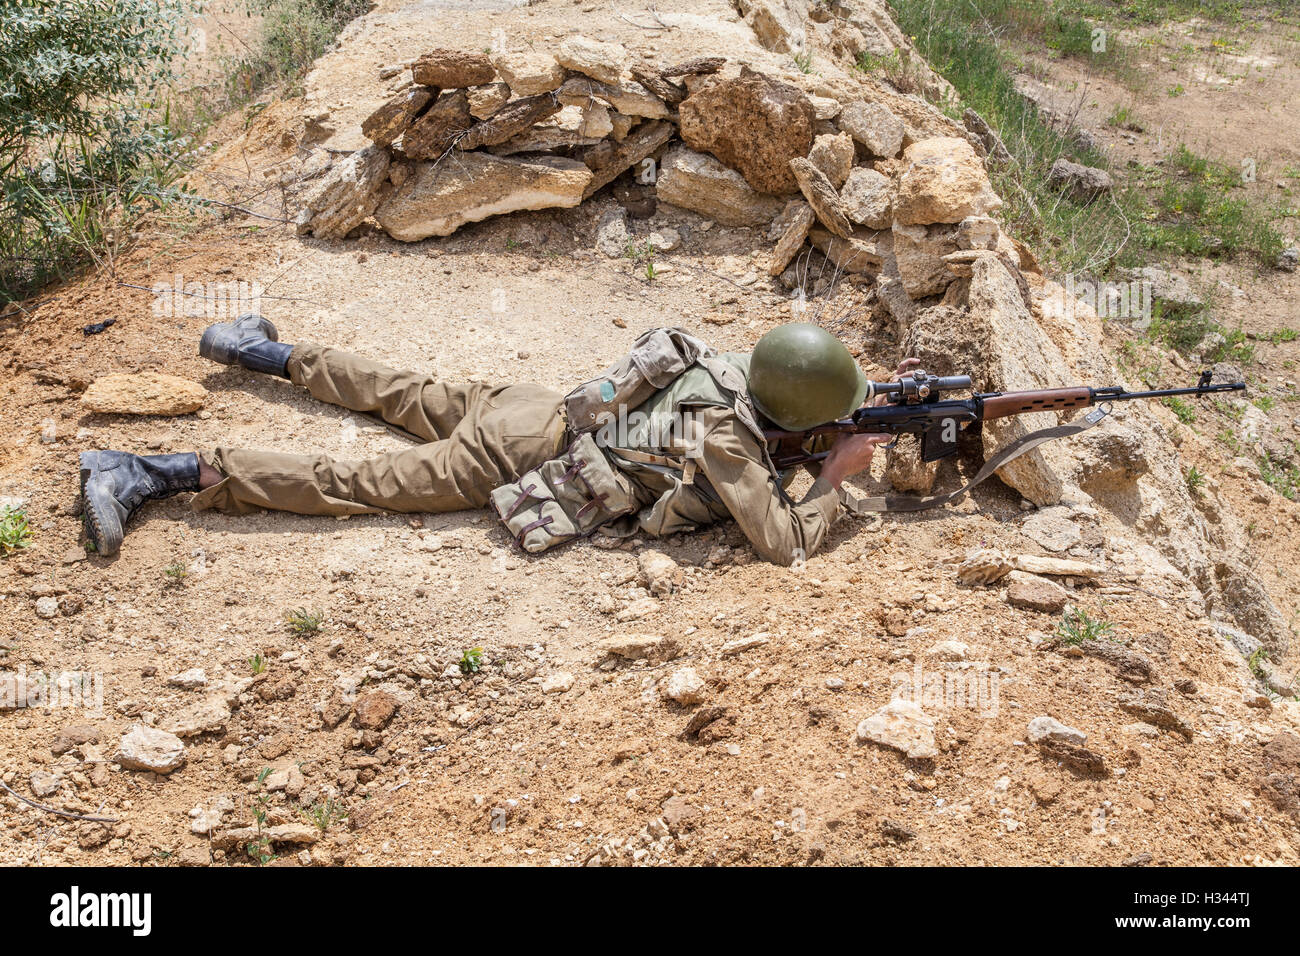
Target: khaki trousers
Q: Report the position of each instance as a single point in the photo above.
(478, 437)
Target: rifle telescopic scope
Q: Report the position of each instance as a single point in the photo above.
(918, 386)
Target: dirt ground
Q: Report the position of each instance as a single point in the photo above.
(520, 763)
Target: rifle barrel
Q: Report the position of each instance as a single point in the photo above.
(1117, 394)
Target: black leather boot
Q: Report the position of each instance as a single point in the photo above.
(114, 484)
(250, 341)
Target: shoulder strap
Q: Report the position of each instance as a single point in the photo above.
(1004, 455)
(732, 381)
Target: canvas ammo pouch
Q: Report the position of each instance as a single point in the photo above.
(564, 498)
(657, 358)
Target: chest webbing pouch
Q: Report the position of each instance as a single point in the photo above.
(565, 498)
(657, 358)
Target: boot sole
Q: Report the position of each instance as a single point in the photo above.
(99, 510)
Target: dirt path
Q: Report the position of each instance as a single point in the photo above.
(505, 766)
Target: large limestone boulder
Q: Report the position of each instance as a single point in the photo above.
(919, 252)
(600, 61)
(868, 198)
(438, 129)
(529, 72)
(698, 182)
(1017, 354)
(821, 195)
(753, 123)
(874, 126)
(145, 393)
(453, 69)
(439, 198)
(345, 196)
(384, 125)
(943, 180)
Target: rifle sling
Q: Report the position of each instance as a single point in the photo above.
(1004, 455)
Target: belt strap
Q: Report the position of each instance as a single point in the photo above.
(1005, 455)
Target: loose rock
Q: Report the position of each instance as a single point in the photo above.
(375, 710)
(345, 196)
(685, 687)
(557, 683)
(983, 566)
(822, 197)
(1036, 594)
(600, 61)
(874, 126)
(390, 121)
(1083, 182)
(902, 725)
(529, 73)
(698, 182)
(440, 198)
(660, 574)
(1045, 728)
(867, 198)
(144, 393)
(453, 69)
(146, 748)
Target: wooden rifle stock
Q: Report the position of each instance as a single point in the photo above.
(1040, 400)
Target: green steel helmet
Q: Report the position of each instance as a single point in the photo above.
(800, 376)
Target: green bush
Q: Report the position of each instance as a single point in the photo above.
(294, 34)
(84, 138)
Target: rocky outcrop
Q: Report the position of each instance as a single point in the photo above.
(439, 128)
(752, 123)
(821, 196)
(439, 198)
(453, 69)
(943, 181)
(874, 126)
(698, 182)
(345, 196)
(391, 120)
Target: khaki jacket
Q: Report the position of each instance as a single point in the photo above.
(693, 460)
